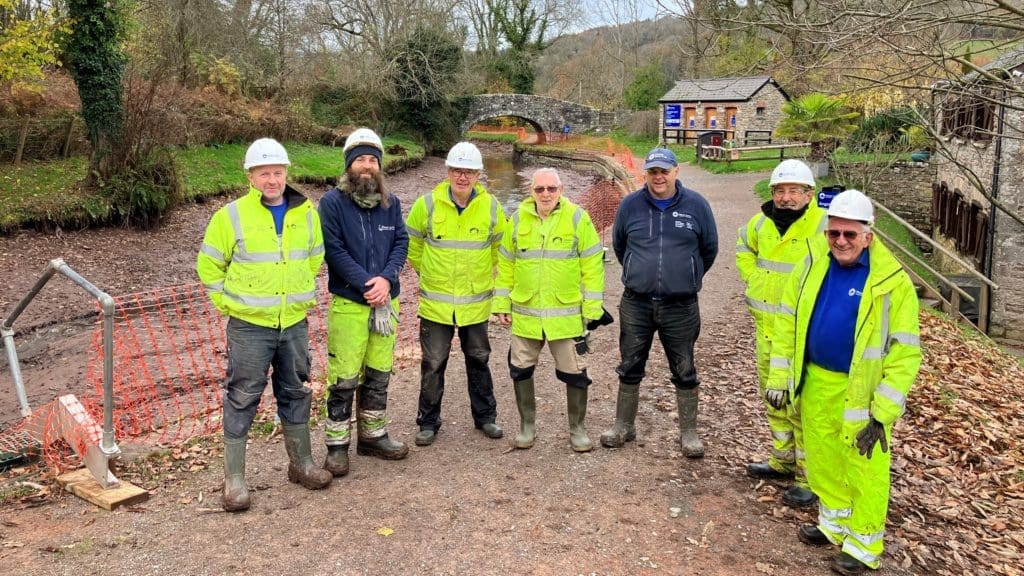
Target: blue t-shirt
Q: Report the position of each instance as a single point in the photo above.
(663, 204)
(831, 333)
(278, 213)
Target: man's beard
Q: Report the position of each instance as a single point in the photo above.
(365, 192)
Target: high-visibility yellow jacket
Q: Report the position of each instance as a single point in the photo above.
(455, 254)
(550, 272)
(252, 274)
(887, 348)
(765, 259)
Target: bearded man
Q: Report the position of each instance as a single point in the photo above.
(366, 246)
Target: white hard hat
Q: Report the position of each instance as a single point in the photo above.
(465, 155)
(792, 172)
(852, 205)
(265, 152)
(365, 137)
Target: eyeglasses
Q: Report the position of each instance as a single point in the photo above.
(792, 193)
(849, 235)
(463, 173)
(548, 189)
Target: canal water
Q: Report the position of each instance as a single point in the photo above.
(503, 181)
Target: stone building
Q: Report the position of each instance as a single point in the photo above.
(747, 109)
(980, 122)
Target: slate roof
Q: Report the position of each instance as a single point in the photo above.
(718, 89)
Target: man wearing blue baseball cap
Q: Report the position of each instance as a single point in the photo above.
(666, 239)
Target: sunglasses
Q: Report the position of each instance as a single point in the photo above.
(849, 235)
(548, 189)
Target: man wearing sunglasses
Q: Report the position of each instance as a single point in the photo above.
(549, 289)
(666, 239)
(769, 247)
(847, 343)
(454, 234)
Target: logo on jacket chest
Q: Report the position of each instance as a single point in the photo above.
(385, 228)
(682, 220)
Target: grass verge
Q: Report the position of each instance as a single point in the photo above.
(47, 194)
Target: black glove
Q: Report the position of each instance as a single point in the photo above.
(604, 320)
(866, 438)
(777, 398)
(584, 343)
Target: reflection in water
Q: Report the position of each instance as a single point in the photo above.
(503, 181)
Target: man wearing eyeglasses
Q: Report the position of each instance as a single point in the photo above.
(769, 247)
(666, 239)
(550, 286)
(454, 234)
(847, 344)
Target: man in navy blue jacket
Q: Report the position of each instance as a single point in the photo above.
(666, 240)
(366, 246)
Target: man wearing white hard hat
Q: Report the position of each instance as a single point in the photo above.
(366, 246)
(258, 262)
(771, 244)
(454, 234)
(847, 344)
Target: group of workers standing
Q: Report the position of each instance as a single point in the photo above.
(836, 317)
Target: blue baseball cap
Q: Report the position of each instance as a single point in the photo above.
(660, 158)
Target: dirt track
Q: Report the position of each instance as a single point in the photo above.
(466, 505)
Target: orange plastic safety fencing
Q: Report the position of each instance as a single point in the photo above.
(170, 358)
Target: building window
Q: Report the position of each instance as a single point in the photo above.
(967, 116)
(759, 111)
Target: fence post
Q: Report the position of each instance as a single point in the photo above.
(21, 142)
(67, 138)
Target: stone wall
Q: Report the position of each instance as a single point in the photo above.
(1006, 319)
(905, 188)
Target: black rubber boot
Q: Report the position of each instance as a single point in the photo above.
(763, 470)
(843, 563)
(301, 468)
(624, 428)
(336, 461)
(372, 419)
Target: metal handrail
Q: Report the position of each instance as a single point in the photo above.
(108, 446)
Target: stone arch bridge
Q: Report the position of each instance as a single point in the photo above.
(545, 115)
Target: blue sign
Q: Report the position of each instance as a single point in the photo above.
(673, 115)
(827, 194)
(732, 120)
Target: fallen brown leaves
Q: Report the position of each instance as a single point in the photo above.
(957, 502)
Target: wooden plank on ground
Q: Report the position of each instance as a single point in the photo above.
(81, 483)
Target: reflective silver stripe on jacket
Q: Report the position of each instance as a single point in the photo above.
(856, 414)
(242, 254)
(775, 266)
(255, 301)
(782, 435)
(502, 292)
(763, 306)
(786, 310)
(760, 223)
(214, 286)
(746, 242)
(595, 249)
(892, 394)
(905, 338)
(455, 300)
(429, 238)
(779, 362)
(593, 295)
(872, 353)
(546, 313)
(547, 254)
(212, 252)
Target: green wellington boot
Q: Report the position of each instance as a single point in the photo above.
(236, 494)
(577, 407)
(686, 402)
(624, 428)
(301, 468)
(527, 404)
